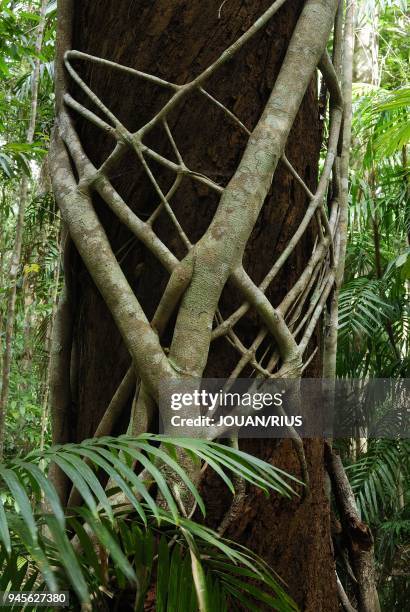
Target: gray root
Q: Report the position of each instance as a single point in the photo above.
(357, 533)
(343, 598)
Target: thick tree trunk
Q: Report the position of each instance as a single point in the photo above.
(176, 40)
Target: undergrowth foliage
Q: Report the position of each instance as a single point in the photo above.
(71, 548)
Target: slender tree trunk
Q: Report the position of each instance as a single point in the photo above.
(27, 295)
(54, 301)
(366, 61)
(15, 260)
(344, 61)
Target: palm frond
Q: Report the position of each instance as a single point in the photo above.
(377, 475)
(131, 528)
(362, 309)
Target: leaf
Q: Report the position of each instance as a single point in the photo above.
(4, 529)
(6, 164)
(68, 559)
(82, 468)
(168, 460)
(4, 69)
(78, 481)
(21, 498)
(51, 7)
(49, 491)
(117, 478)
(38, 557)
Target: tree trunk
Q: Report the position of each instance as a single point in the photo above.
(177, 40)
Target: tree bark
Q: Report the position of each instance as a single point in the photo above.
(360, 539)
(176, 41)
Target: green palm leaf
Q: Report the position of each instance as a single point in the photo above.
(135, 535)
